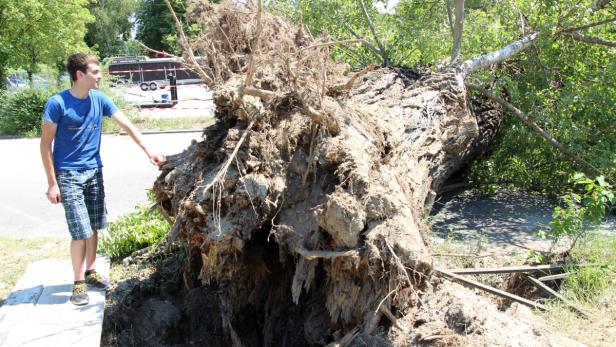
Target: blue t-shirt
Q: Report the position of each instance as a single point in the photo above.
(78, 135)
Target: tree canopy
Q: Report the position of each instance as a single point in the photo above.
(156, 28)
(111, 30)
(40, 31)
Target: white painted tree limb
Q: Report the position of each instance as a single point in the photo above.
(480, 63)
(457, 32)
(589, 39)
(386, 60)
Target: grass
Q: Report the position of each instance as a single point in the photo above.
(147, 123)
(133, 231)
(17, 254)
(592, 289)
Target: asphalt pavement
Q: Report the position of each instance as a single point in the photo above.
(128, 174)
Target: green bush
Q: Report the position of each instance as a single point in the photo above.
(21, 111)
(132, 232)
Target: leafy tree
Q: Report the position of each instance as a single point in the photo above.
(40, 31)
(111, 30)
(156, 28)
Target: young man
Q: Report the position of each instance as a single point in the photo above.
(72, 121)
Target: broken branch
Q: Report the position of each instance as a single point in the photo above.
(482, 62)
(554, 293)
(509, 269)
(386, 61)
(589, 39)
(491, 290)
(534, 127)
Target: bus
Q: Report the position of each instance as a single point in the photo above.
(150, 73)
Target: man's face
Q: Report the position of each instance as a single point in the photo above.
(91, 77)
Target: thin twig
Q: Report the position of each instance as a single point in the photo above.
(186, 47)
(392, 318)
(582, 27)
(399, 263)
(589, 39)
(252, 62)
(330, 43)
(362, 39)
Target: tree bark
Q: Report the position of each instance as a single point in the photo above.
(482, 62)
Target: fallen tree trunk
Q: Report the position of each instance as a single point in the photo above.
(304, 206)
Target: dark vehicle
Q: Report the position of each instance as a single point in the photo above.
(150, 74)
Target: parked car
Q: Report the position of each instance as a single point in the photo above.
(14, 82)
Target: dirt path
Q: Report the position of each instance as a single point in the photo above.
(506, 222)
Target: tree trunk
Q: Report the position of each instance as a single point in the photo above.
(304, 207)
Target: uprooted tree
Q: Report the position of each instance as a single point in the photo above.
(304, 207)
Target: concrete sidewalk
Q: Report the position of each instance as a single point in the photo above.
(38, 311)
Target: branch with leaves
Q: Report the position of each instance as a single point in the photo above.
(534, 127)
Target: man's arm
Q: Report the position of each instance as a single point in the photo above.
(135, 134)
(47, 135)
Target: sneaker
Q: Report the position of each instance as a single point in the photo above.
(80, 294)
(96, 281)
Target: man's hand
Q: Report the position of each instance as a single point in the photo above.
(53, 194)
(158, 159)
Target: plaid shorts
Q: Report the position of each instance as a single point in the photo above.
(83, 197)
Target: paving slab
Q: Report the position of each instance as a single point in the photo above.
(38, 311)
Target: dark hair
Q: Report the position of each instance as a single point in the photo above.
(79, 62)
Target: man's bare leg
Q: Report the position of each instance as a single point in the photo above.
(78, 252)
(91, 246)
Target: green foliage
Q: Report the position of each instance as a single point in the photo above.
(40, 31)
(581, 210)
(588, 282)
(568, 88)
(109, 33)
(134, 231)
(156, 27)
(21, 111)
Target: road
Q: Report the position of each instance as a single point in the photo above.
(24, 209)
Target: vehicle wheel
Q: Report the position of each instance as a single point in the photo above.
(153, 86)
(144, 87)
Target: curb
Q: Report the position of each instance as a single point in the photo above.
(147, 132)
